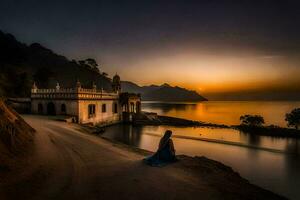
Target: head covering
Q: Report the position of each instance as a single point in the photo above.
(168, 133)
(165, 139)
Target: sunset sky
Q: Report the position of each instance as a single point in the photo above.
(217, 48)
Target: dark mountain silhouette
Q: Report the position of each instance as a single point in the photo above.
(163, 92)
(21, 64)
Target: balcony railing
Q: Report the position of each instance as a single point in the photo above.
(71, 93)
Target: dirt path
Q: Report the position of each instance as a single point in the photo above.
(70, 164)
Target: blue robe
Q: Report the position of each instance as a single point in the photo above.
(161, 158)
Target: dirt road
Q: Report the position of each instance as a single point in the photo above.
(71, 164)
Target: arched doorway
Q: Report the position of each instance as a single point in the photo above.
(40, 108)
(51, 109)
(63, 108)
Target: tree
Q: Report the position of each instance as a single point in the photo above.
(252, 120)
(293, 118)
(90, 63)
(81, 62)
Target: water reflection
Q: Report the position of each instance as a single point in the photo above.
(254, 140)
(225, 112)
(130, 135)
(170, 107)
(275, 170)
(293, 145)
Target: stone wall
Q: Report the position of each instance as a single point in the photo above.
(70, 105)
(99, 117)
(21, 105)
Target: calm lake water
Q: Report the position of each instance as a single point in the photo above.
(270, 162)
(225, 112)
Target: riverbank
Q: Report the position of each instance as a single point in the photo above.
(74, 163)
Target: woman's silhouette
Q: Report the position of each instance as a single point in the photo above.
(165, 153)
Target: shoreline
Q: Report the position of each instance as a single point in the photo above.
(189, 161)
(224, 142)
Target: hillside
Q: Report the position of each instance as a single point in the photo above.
(163, 92)
(21, 64)
(16, 140)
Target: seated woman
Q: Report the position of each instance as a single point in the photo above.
(165, 153)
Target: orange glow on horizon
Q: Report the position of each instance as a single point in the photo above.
(206, 73)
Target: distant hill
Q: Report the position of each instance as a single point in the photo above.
(21, 64)
(163, 92)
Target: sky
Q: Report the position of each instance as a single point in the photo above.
(222, 49)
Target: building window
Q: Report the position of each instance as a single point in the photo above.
(115, 108)
(103, 108)
(63, 108)
(132, 107)
(92, 110)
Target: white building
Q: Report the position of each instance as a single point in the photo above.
(86, 105)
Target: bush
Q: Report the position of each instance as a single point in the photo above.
(293, 118)
(252, 120)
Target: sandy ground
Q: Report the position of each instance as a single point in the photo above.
(69, 163)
